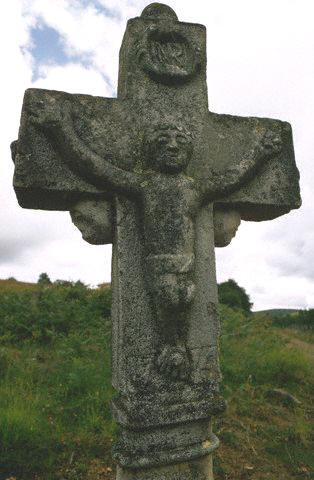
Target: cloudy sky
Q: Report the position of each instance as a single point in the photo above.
(260, 63)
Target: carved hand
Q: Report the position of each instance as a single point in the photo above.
(271, 143)
(49, 116)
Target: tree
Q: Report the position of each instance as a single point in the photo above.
(43, 279)
(234, 296)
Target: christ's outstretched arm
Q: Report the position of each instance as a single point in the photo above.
(58, 125)
(221, 183)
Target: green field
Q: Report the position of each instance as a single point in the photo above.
(55, 389)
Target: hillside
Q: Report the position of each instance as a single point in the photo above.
(55, 390)
(14, 285)
(277, 312)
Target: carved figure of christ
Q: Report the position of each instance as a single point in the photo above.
(169, 201)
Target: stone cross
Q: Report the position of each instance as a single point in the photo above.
(158, 175)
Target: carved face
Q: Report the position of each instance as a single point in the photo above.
(169, 150)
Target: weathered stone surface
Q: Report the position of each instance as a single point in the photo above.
(169, 444)
(165, 180)
(200, 468)
(94, 218)
(226, 224)
(275, 191)
(45, 176)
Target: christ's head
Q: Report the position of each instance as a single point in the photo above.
(168, 148)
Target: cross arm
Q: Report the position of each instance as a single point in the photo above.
(250, 167)
(55, 119)
(48, 170)
(266, 145)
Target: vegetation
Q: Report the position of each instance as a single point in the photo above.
(55, 389)
(265, 436)
(43, 279)
(231, 294)
(300, 319)
(12, 285)
(55, 386)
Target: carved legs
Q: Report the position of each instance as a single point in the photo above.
(172, 294)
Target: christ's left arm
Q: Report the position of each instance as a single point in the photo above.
(224, 182)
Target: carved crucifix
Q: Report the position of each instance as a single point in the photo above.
(153, 172)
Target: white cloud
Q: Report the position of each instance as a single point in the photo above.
(72, 78)
(85, 30)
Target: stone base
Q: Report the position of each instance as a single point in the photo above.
(144, 411)
(198, 469)
(171, 444)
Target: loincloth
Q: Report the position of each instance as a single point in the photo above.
(170, 263)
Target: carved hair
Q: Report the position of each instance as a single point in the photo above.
(152, 132)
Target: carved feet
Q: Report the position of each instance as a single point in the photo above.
(174, 363)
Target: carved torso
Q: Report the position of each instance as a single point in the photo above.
(170, 204)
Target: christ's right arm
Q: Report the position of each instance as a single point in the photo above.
(81, 159)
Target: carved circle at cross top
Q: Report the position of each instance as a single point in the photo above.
(165, 53)
(159, 10)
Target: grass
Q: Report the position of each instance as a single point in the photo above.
(264, 437)
(55, 385)
(257, 353)
(11, 285)
(55, 391)
(54, 404)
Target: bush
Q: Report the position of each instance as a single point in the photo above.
(44, 314)
(43, 279)
(231, 294)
